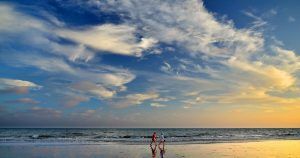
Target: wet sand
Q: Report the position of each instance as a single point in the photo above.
(264, 149)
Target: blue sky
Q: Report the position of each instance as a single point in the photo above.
(136, 63)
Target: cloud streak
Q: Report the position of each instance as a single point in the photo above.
(118, 39)
(16, 86)
(23, 101)
(135, 99)
(188, 24)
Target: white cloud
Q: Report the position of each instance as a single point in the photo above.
(93, 89)
(158, 105)
(14, 22)
(43, 34)
(164, 99)
(265, 75)
(16, 86)
(101, 81)
(166, 68)
(233, 57)
(49, 64)
(109, 80)
(139, 98)
(118, 39)
(190, 102)
(258, 21)
(188, 24)
(72, 52)
(284, 59)
(17, 83)
(291, 19)
(135, 99)
(37, 33)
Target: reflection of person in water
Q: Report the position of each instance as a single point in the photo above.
(153, 150)
(162, 151)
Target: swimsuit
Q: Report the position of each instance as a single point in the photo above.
(162, 138)
(153, 137)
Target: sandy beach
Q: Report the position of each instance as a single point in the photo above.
(264, 149)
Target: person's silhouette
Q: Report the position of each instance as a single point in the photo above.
(162, 139)
(153, 139)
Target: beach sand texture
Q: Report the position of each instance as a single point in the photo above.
(263, 149)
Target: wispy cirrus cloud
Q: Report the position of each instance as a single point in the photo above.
(241, 49)
(16, 86)
(291, 19)
(96, 90)
(191, 26)
(109, 38)
(107, 79)
(158, 105)
(11, 20)
(119, 39)
(258, 21)
(134, 99)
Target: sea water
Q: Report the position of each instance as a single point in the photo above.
(142, 135)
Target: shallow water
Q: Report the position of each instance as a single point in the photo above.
(261, 149)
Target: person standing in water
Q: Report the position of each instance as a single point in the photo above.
(153, 139)
(162, 139)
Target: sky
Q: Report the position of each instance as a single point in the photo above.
(140, 63)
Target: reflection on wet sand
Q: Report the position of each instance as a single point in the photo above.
(269, 148)
(162, 150)
(153, 150)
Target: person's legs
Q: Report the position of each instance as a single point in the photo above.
(153, 141)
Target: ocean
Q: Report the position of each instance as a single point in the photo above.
(142, 135)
